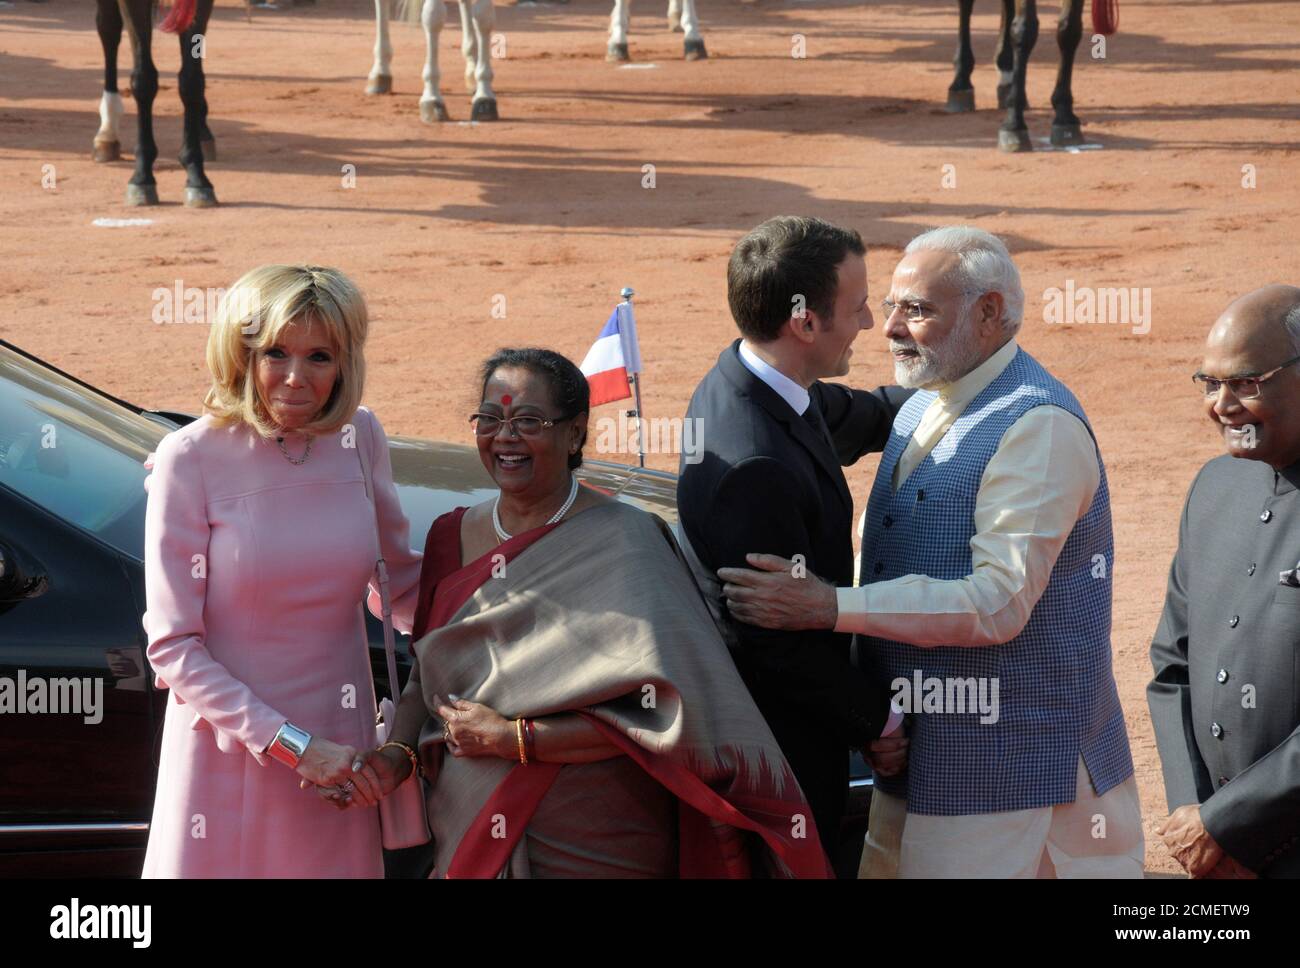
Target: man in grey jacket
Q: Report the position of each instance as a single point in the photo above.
(1225, 700)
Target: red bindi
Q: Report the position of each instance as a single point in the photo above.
(505, 401)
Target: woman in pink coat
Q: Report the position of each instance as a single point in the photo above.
(259, 543)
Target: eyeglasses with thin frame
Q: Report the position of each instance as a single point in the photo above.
(1242, 387)
(915, 310)
(489, 424)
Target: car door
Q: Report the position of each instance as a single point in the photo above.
(77, 709)
(76, 725)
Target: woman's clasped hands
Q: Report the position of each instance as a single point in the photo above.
(345, 778)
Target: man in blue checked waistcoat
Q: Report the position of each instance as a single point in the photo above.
(984, 594)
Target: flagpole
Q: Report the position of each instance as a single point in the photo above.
(635, 380)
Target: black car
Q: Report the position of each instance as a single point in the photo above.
(79, 783)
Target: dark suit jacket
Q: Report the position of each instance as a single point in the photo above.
(1225, 700)
(768, 482)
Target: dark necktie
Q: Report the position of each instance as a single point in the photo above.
(815, 420)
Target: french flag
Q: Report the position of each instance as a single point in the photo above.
(612, 357)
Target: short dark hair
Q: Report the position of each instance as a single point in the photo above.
(786, 257)
(569, 389)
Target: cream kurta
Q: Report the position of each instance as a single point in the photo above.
(1035, 488)
(1040, 481)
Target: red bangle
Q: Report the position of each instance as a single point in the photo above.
(530, 739)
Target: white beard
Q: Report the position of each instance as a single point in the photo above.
(932, 370)
(917, 374)
(937, 365)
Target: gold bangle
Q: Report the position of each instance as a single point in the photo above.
(519, 735)
(415, 763)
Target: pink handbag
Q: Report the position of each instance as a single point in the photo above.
(402, 818)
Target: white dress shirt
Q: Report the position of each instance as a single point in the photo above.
(1037, 485)
(789, 391)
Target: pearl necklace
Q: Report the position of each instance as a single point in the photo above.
(505, 535)
(295, 460)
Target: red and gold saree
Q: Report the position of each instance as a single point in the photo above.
(598, 615)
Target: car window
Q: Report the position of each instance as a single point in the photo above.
(76, 454)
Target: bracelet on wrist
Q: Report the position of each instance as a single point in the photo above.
(519, 737)
(289, 745)
(410, 754)
(530, 739)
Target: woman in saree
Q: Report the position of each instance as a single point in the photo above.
(575, 710)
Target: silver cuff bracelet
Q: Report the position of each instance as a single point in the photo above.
(289, 745)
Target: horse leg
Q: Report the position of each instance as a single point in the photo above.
(191, 83)
(108, 143)
(1065, 126)
(618, 23)
(694, 42)
(961, 93)
(468, 48)
(138, 20)
(433, 16)
(675, 16)
(1005, 54)
(207, 140)
(380, 80)
(484, 105)
(1014, 133)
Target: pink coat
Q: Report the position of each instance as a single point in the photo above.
(254, 568)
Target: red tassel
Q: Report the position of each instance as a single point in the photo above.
(1105, 17)
(182, 15)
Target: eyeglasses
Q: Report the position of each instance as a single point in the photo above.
(916, 310)
(488, 424)
(1242, 387)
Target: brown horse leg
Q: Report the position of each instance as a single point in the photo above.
(1014, 133)
(138, 18)
(1005, 54)
(198, 190)
(1065, 125)
(108, 22)
(961, 93)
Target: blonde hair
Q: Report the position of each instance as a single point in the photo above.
(250, 318)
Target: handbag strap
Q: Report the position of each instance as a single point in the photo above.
(381, 571)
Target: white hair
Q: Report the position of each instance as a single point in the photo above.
(983, 265)
(1292, 323)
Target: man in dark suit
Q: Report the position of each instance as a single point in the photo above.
(770, 480)
(1225, 700)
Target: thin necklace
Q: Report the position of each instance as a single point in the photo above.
(505, 535)
(295, 460)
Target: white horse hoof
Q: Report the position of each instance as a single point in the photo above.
(695, 50)
(617, 53)
(107, 150)
(484, 109)
(431, 112)
(380, 84)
